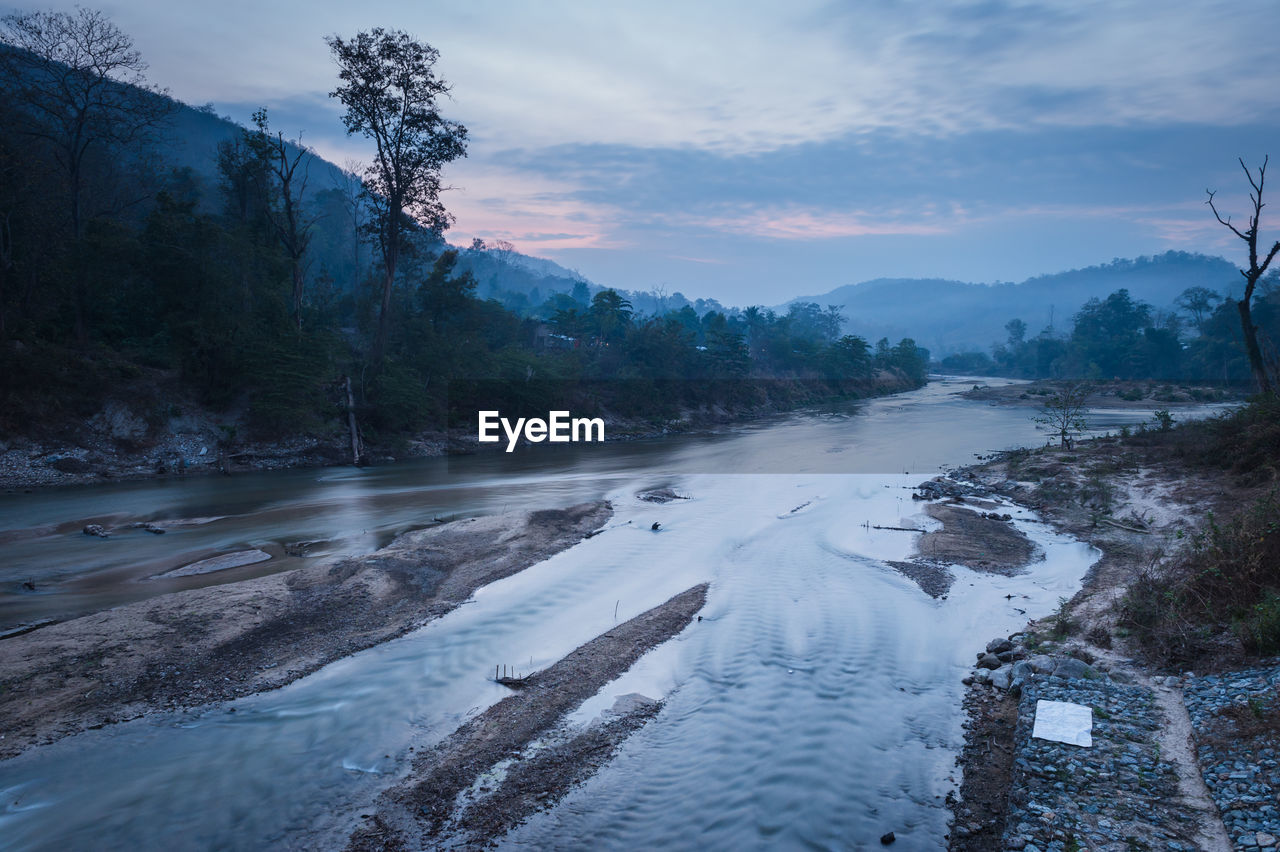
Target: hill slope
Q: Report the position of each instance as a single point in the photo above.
(953, 316)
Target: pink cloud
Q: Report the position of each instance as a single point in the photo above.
(800, 224)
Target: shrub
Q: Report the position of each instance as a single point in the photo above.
(1225, 585)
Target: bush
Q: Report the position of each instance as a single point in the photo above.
(1226, 585)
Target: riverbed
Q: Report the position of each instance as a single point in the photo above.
(817, 703)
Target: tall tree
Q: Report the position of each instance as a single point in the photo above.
(1254, 273)
(391, 93)
(81, 87)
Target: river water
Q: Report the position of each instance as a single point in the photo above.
(815, 706)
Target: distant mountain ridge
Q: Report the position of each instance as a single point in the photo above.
(956, 316)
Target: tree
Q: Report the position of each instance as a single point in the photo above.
(81, 88)
(1199, 302)
(1017, 330)
(1107, 335)
(1063, 413)
(284, 207)
(1253, 273)
(391, 93)
(611, 315)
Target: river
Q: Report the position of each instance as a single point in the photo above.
(815, 706)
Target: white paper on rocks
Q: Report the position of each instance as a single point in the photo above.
(1064, 722)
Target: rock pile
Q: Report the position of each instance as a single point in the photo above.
(1235, 718)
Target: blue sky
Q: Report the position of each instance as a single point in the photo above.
(756, 151)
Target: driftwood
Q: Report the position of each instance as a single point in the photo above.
(1121, 526)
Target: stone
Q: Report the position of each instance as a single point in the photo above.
(1001, 678)
(1021, 671)
(989, 661)
(999, 646)
(96, 529)
(1265, 840)
(1042, 663)
(1073, 669)
(886, 839)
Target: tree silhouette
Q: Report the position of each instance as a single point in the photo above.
(1253, 273)
(391, 92)
(80, 87)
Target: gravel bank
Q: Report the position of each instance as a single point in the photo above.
(1237, 737)
(1119, 794)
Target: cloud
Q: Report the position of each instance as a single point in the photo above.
(794, 223)
(747, 77)
(743, 144)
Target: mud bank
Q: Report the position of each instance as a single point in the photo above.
(982, 541)
(218, 643)
(425, 811)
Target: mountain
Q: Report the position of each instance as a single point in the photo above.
(955, 316)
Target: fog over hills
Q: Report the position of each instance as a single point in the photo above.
(955, 316)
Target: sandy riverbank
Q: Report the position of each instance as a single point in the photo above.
(223, 642)
(1109, 394)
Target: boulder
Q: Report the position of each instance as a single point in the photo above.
(1042, 664)
(1021, 671)
(1072, 669)
(989, 661)
(1002, 678)
(999, 646)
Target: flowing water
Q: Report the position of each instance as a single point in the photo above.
(816, 705)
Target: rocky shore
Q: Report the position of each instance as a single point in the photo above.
(1179, 760)
(1238, 747)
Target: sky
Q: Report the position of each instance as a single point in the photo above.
(756, 151)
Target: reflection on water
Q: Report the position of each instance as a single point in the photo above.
(817, 701)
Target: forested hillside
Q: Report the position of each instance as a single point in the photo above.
(153, 257)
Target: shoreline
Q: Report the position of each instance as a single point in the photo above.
(118, 447)
(219, 643)
(1135, 505)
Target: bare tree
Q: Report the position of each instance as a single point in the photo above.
(287, 164)
(391, 92)
(1255, 271)
(1063, 413)
(80, 87)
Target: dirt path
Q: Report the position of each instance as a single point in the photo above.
(423, 810)
(224, 642)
